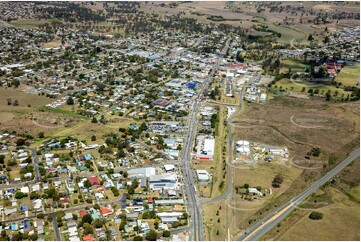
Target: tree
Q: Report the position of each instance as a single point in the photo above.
(166, 233)
(70, 101)
(20, 142)
(16, 103)
(277, 180)
(122, 224)
(328, 96)
(98, 224)
(94, 120)
(41, 135)
(9, 101)
(152, 235)
(93, 138)
(316, 151)
(310, 37)
(138, 238)
(87, 219)
(96, 206)
(316, 215)
(326, 40)
(87, 184)
(20, 195)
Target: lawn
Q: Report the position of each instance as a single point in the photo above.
(349, 75)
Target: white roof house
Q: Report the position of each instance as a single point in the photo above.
(169, 167)
(24, 189)
(255, 191)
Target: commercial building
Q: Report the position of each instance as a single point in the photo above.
(203, 176)
(205, 149)
(163, 181)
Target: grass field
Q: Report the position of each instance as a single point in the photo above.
(215, 221)
(340, 221)
(293, 64)
(349, 75)
(268, 124)
(52, 44)
(288, 34)
(288, 85)
(30, 23)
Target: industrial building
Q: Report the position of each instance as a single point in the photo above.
(205, 149)
(203, 176)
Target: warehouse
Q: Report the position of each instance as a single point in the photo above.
(203, 176)
(205, 148)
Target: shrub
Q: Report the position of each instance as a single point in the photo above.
(316, 215)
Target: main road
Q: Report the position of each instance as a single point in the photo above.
(196, 220)
(271, 220)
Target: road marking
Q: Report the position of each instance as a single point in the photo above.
(269, 220)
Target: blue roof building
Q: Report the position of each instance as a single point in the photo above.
(24, 208)
(191, 84)
(88, 156)
(14, 227)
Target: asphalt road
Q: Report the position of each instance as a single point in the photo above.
(271, 220)
(194, 206)
(56, 227)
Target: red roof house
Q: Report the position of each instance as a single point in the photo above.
(64, 200)
(94, 180)
(83, 213)
(89, 237)
(106, 211)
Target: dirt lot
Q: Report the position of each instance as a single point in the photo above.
(27, 117)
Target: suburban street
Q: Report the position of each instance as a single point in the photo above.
(271, 220)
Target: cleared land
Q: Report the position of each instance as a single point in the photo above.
(271, 123)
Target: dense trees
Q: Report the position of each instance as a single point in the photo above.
(152, 235)
(277, 181)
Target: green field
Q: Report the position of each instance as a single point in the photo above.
(288, 34)
(288, 85)
(62, 111)
(30, 23)
(294, 64)
(349, 75)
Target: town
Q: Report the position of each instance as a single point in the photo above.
(147, 135)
